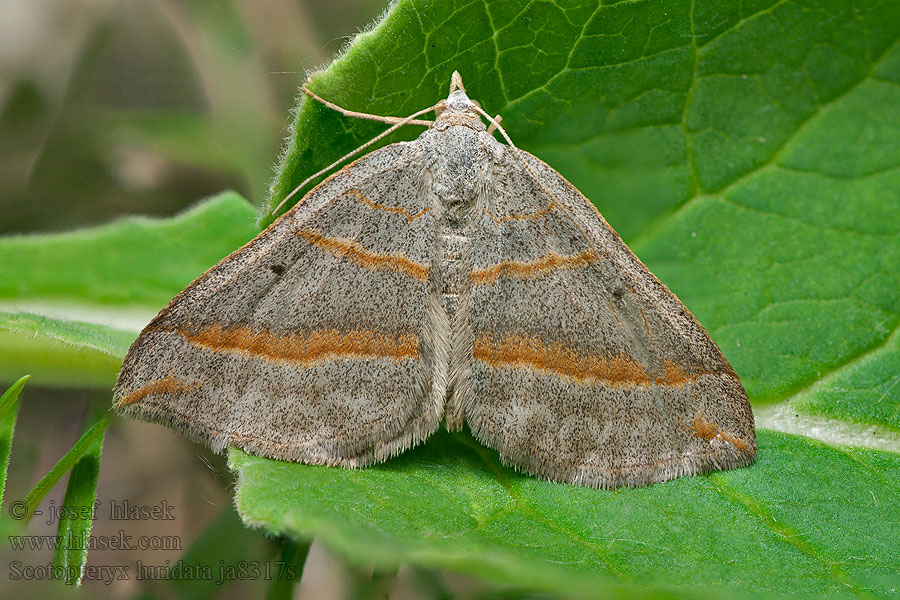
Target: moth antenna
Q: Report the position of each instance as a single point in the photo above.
(361, 115)
(381, 135)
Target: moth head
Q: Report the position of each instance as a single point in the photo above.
(458, 101)
(457, 104)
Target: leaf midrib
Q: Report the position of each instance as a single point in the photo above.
(784, 532)
(818, 381)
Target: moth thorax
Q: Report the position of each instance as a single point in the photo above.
(470, 120)
(457, 202)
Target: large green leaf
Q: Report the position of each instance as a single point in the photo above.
(805, 519)
(749, 153)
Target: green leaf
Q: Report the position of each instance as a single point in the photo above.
(863, 390)
(132, 261)
(748, 152)
(77, 518)
(90, 442)
(9, 408)
(750, 155)
(61, 352)
(118, 274)
(789, 268)
(754, 171)
(791, 523)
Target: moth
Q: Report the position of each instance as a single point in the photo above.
(452, 279)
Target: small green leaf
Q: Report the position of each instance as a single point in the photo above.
(61, 352)
(77, 518)
(791, 523)
(130, 262)
(86, 444)
(9, 408)
(104, 274)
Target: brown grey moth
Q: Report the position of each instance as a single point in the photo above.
(450, 279)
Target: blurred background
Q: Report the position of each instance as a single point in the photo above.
(110, 107)
(114, 107)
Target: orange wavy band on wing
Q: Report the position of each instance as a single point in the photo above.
(363, 257)
(304, 348)
(708, 431)
(522, 351)
(540, 266)
(532, 353)
(398, 210)
(169, 385)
